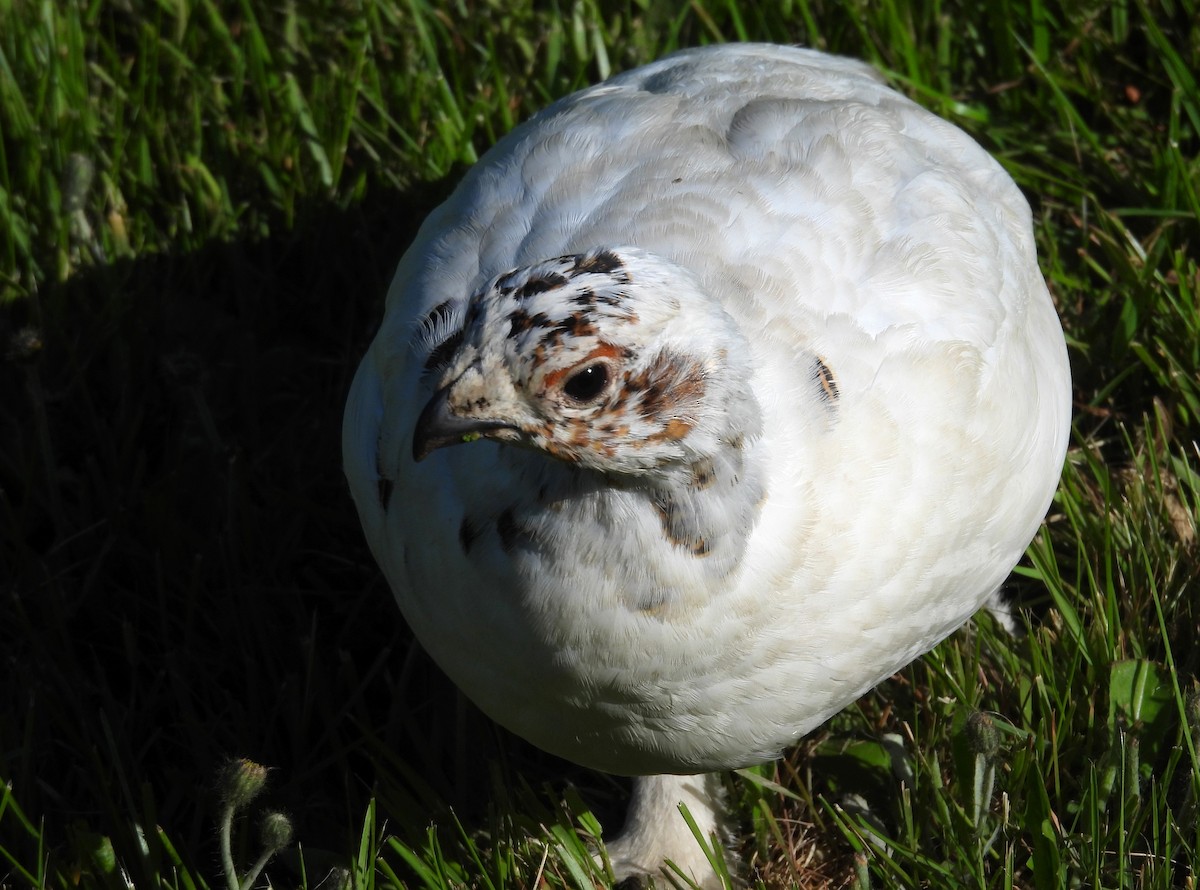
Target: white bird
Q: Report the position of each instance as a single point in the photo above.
(770, 397)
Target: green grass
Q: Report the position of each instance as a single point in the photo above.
(201, 202)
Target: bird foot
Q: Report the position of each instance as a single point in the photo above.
(656, 833)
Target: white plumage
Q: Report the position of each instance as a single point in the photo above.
(771, 398)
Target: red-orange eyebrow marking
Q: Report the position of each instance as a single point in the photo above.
(603, 350)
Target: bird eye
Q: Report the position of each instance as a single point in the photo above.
(586, 385)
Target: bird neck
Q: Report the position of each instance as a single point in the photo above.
(707, 508)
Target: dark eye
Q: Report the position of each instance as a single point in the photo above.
(586, 385)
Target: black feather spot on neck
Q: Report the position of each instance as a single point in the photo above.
(826, 381)
(509, 531)
(383, 485)
(468, 532)
(704, 473)
(384, 488)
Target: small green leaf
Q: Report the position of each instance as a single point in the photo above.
(1138, 691)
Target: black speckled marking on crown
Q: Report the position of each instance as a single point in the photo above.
(521, 322)
(586, 298)
(575, 320)
(576, 325)
(604, 262)
(540, 285)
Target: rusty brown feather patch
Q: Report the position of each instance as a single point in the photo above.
(670, 386)
(675, 430)
(676, 527)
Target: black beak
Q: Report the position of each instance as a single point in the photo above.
(438, 427)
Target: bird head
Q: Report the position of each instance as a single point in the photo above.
(614, 360)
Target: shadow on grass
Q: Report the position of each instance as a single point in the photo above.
(184, 575)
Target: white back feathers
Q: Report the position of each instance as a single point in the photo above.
(770, 396)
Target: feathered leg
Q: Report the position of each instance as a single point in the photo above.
(655, 830)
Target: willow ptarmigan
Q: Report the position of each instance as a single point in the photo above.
(763, 396)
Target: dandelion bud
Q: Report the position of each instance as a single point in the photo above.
(982, 735)
(276, 831)
(241, 781)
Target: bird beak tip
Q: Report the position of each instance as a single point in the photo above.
(438, 427)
